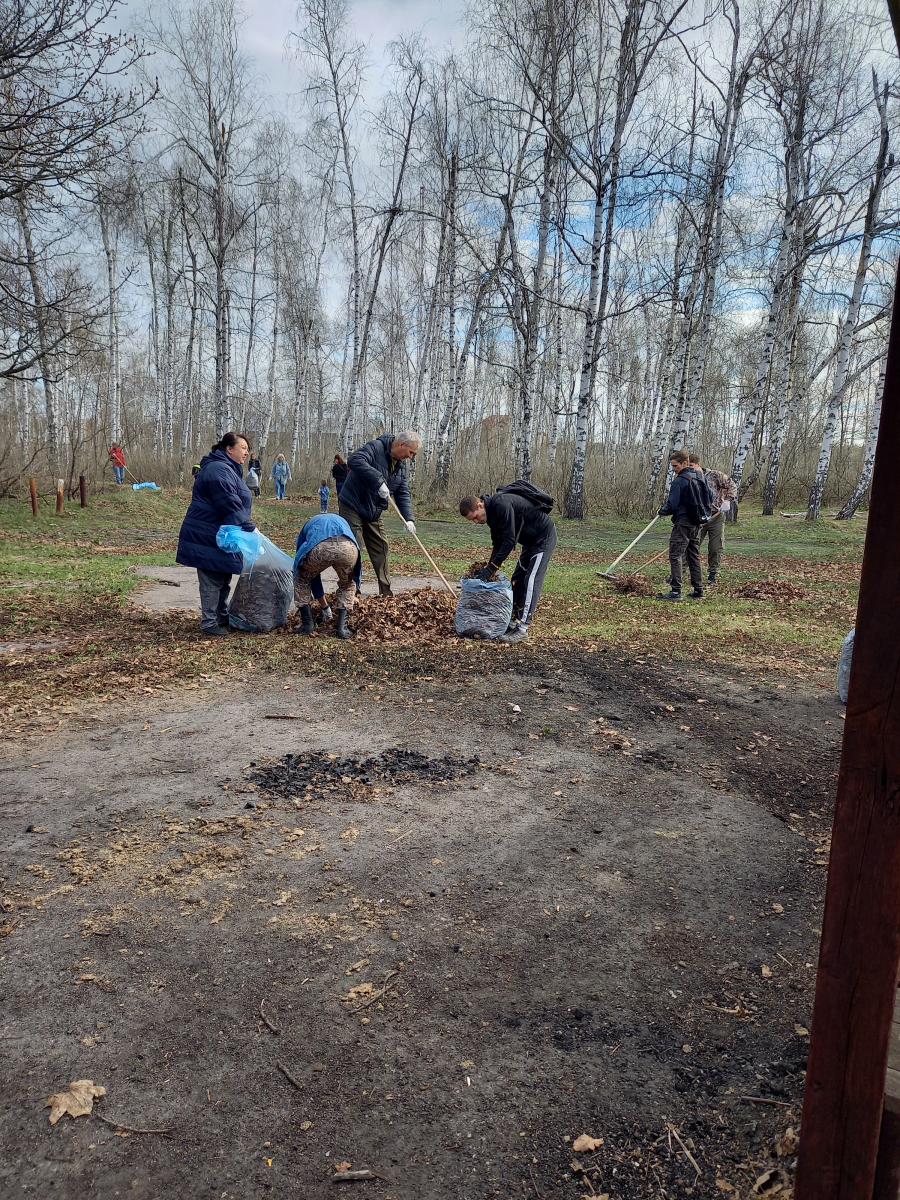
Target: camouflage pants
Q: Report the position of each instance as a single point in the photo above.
(338, 552)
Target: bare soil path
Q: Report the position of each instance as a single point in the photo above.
(172, 588)
(606, 927)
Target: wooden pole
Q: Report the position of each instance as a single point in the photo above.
(860, 951)
(422, 548)
(32, 488)
(60, 496)
(630, 546)
(82, 491)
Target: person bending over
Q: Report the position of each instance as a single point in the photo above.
(326, 541)
(517, 514)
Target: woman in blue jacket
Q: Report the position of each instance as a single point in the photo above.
(220, 497)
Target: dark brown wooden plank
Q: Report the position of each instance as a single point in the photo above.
(860, 951)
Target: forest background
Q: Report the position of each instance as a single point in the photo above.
(575, 235)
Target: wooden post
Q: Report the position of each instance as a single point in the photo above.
(82, 491)
(860, 950)
(32, 487)
(60, 496)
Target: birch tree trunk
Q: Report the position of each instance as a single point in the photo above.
(868, 462)
(40, 320)
(847, 333)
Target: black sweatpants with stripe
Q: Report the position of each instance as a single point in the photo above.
(528, 577)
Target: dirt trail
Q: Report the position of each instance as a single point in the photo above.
(608, 928)
(175, 588)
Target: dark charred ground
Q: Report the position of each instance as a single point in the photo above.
(608, 927)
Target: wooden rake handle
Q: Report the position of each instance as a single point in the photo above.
(422, 548)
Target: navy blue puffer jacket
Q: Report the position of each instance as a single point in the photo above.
(220, 497)
(371, 466)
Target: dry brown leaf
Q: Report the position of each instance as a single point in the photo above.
(770, 1184)
(724, 1187)
(766, 971)
(76, 1101)
(787, 1144)
(585, 1144)
(340, 1167)
(360, 992)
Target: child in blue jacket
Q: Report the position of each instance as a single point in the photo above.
(324, 496)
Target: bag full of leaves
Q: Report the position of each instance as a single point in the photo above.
(264, 592)
(845, 662)
(484, 609)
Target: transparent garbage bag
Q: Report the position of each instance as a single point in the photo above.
(264, 591)
(844, 664)
(484, 610)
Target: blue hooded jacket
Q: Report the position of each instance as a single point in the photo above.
(220, 497)
(371, 466)
(320, 529)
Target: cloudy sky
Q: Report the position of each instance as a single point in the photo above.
(375, 22)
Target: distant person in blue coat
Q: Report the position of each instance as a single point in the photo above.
(220, 497)
(324, 497)
(326, 541)
(281, 474)
(378, 472)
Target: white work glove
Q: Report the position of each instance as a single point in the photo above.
(410, 525)
(384, 492)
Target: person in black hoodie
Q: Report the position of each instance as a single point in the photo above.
(513, 517)
(377, 472)
(687, 520)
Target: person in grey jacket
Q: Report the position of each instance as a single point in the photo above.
(377, 471)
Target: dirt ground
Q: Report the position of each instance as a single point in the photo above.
(607, 927)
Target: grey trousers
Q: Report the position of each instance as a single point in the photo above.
(715, 529)
(214, 589)
(685, 542)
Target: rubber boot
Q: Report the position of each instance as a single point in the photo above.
(306, 625)
(341, 628)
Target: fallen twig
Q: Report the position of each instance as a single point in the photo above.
(378, 995)
(130, 1128)
(355, 1176)
(401, 837)
(281, 717)
(673, 1132)
(268, 1024)
(766, 1100)
(289, 1077)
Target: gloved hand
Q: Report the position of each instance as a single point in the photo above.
(410, 525)
(486, 574)
(661, 513)
(384, 492)
(248, 527)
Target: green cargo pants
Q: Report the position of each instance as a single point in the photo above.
(371, 535)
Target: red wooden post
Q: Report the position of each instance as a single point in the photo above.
(32, 488)
(60, 496)
(860, 951)
(82, 491)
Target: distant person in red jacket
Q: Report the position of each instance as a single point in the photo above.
(117, 458)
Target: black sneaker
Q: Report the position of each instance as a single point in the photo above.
(697, 594)
(216, 631)
(675, 596)
(712, 581)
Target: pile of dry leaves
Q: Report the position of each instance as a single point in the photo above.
(424, 616)
(777, 591)
(633, 584)
(476, 568)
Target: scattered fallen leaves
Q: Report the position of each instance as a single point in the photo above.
(76, 1101)
(779, 591)
(772, 1183)
(787, 1144)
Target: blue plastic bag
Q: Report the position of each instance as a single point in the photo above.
(484, 610)
(264, 592)
(146, 487)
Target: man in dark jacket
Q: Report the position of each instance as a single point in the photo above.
(513, 518)
(220, 497)
(376, 472)
(681, 506)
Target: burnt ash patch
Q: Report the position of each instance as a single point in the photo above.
(306, 776)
